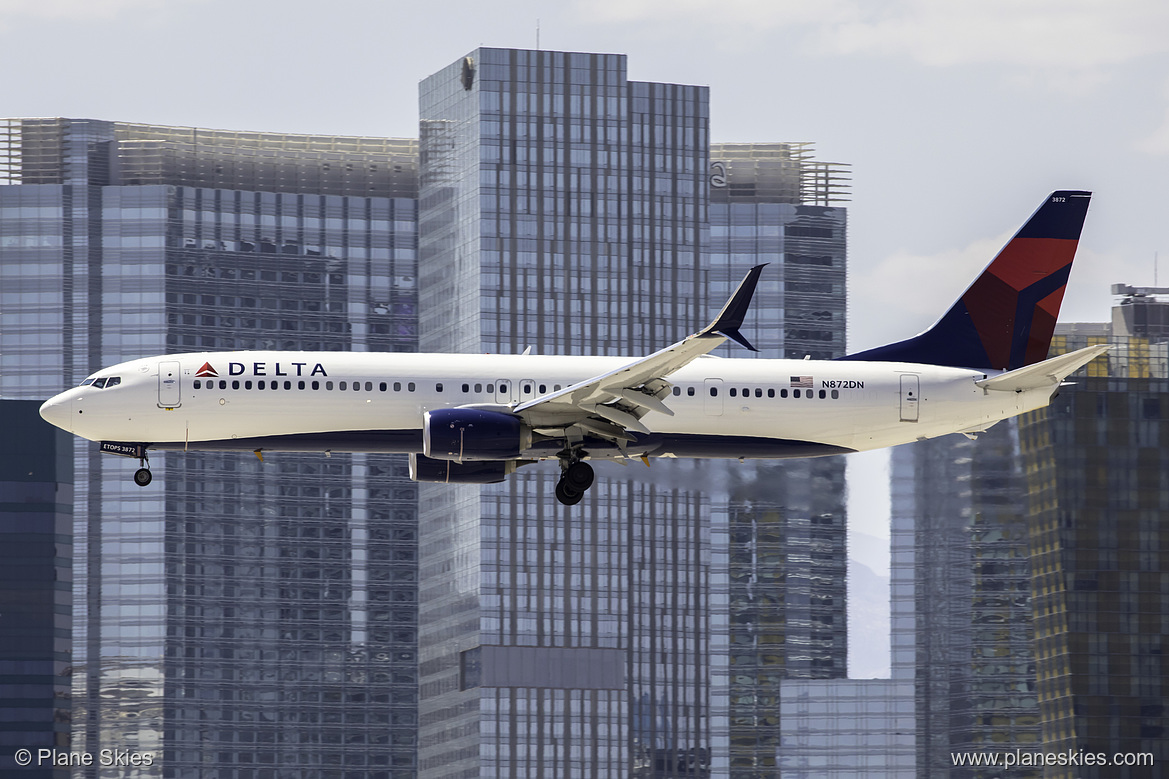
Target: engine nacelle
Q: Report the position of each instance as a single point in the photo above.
(463, 434)
(423, 468)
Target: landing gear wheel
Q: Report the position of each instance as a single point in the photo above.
(579, 476)
(567, 495)
(142, 477)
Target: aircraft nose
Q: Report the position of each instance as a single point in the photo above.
(57, 412)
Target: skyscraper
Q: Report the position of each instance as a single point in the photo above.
(563, 208)
(785, 522)
(1097, 464)
(237, 618)
(965, 509)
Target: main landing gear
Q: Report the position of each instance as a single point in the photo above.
(576, 476)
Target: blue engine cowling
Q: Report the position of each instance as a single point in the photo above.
(463, 434)
(423, 468)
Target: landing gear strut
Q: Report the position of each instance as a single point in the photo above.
(576, 476)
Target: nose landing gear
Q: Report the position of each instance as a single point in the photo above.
(575, 478)
(142, 476)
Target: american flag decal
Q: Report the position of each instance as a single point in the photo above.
(801, 382)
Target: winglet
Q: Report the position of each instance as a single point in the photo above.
(730, 319)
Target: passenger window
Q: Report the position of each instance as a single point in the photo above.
(344, 385)
(300, 384)
(478, 387)
(758, 392)
(466, 388)
(795, 393)
(369, 386)
(835, 394)
(288, 385)
(438, 387)
(223, 384)
(543, 388)
(527, 389)
(823, 394)
(733, 392)
(197, 385)
(261, 384)
(397, 386)
(677, 391)
(410, 386)
(490, 388)
(771, 392)
(316, 385)
(746, 392)
(783, 393)
(248, 385)
(382, 387)
(328, 385)
(714, 392)
(690, 392)
(235, 383)
(556, 388)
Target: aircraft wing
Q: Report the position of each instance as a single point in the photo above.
(611, 404)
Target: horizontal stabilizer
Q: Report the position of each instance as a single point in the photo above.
(1048, 373)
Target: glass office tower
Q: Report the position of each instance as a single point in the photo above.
(237, 618)
(962, 505)
(1097, 464)
(562, 208)
(785, 528)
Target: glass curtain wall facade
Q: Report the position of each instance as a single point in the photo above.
(562, 208)
(36, 597)
(785, 532)
(964, 502)
(238, 618)
(1097, 463)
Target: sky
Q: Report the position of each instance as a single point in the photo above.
(957, 118)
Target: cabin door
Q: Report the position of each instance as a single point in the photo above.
(169, 390)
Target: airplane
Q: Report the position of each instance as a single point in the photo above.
(475, 419)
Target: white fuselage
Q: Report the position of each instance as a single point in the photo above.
(317, 401)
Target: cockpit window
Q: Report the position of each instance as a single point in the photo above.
(87, 382)
(104, 382)
(99, 383)
(113, 381)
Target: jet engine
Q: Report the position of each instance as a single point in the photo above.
(463, 434)
(423, 468)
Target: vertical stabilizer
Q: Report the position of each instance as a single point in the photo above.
(1006, 318)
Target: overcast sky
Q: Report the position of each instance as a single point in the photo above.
(957, 118)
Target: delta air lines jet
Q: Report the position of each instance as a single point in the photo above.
(474, 418)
